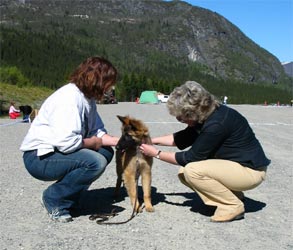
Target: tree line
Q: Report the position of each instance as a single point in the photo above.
(46, 59)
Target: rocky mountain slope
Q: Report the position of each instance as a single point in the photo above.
(137, 34)
(288, 67)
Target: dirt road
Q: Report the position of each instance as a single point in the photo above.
(179, 220)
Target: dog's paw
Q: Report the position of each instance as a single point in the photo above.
(138, 210)
(149, 209)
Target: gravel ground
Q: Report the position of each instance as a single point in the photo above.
(180, 220)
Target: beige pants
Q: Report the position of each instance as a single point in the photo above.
(218, 181)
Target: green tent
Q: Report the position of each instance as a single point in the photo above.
(149, 96)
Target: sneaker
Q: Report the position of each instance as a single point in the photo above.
(237, 214)
(55, 214)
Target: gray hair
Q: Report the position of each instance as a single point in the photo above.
(191, 101)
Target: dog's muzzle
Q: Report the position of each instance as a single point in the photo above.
(125, 142)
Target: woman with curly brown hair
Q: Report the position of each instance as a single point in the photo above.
(67, 142)
(223, 157)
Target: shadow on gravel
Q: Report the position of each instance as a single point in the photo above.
(96, 201)
(197, 206)
(253, 205)
(102, 201)
(194, 202)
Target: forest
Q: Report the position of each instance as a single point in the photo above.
(147, 53)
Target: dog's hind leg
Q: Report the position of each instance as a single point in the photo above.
(146, 179)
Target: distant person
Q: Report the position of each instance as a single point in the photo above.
(33, 115)
(222, 156)
(225, 100)
(26, 110)
(67, 141)
(291, 103)
(13, 112)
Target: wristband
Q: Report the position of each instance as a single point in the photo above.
(158, 154)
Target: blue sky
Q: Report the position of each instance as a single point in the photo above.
(269, 23)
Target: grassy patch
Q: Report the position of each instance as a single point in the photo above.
(33, 96)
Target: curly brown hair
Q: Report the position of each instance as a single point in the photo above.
(94, 77)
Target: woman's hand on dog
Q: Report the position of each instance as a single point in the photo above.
(152, 151)
(148, 150)
(92, 143)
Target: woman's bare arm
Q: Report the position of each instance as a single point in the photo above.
(166, 140)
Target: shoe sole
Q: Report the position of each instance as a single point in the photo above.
(237, 217)
(63, 220)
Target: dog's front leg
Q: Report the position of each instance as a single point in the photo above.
(131, 187)
(119, 171)
(117, 188)
(146, 179)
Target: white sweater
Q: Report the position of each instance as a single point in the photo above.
(12, 109)
(62, 122)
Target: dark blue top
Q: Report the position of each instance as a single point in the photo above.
(226, 135)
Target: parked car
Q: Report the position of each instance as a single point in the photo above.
(163, 98)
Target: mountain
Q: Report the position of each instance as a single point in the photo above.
(174, 41)
(288, 67)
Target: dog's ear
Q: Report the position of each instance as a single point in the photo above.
(121, 118)
(124, 119)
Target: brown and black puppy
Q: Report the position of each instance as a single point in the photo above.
(131, 163)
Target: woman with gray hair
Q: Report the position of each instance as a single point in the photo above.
(221, 156)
